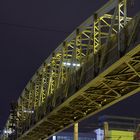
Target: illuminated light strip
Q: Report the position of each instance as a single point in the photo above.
(69, 64)
(28, 111)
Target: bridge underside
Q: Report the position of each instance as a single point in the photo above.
(120, 80)
(117, 79)
(91, 70)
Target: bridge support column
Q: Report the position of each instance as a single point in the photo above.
(76, 131)
(106, 132)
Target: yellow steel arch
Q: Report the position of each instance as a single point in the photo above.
(85, 74)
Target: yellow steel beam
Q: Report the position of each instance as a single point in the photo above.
(79, 77)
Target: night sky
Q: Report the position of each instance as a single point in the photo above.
(29, 31)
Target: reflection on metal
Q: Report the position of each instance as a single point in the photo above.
(95, 67)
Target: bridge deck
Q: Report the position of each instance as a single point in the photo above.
(118, 79)
(95, 67)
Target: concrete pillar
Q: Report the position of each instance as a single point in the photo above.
(76, 131)
(106, 132)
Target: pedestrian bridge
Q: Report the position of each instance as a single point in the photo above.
(96, 66)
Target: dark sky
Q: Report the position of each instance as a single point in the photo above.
(29, 31)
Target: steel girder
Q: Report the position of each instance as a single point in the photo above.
(116, 83)
(79, 78)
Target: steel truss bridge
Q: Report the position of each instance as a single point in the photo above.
(97, 66)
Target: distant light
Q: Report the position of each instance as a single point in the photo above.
(73, 64)
(100, 134)
(28, 111)
(8, 131)
(54, 138)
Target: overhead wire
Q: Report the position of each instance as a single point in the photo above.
(33, 27)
